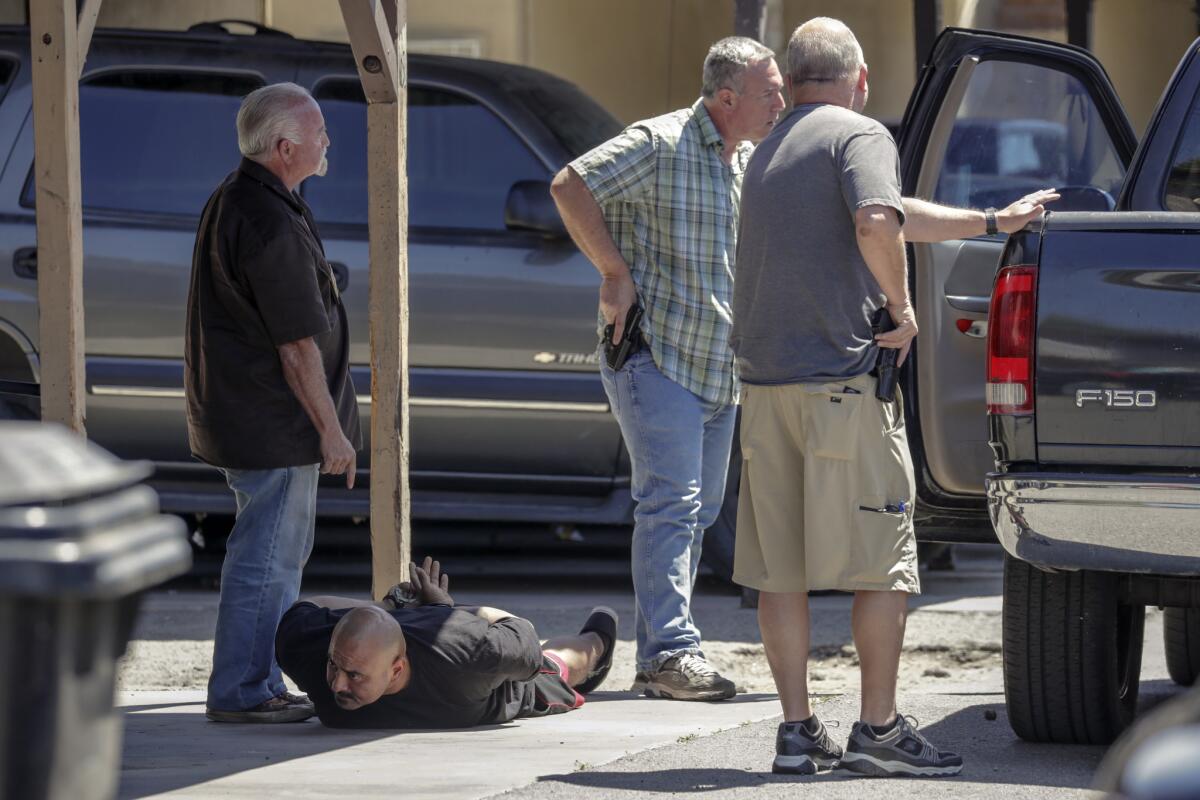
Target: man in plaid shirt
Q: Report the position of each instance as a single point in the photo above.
(656, 211)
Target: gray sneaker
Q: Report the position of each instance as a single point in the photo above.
(900, 752)
(278, 709)
(798, 752)
(685, 677)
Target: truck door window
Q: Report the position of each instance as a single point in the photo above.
(462, 160)
(1023, 126)
(1183, 181)
(156, 142)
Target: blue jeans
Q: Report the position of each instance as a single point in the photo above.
(260, 579)
(678, 447)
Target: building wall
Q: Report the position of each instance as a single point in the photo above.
(1140, 45)
(885, 32)
(639, 58)
(643, 57)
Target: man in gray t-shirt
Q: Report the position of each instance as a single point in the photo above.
(804, 299)
(827, 481)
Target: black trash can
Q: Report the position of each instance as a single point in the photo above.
(80, 539)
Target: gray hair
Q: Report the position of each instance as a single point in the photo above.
(267, 116)
(823, 50)
(727, 60)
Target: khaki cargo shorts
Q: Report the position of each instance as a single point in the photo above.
(825, 468)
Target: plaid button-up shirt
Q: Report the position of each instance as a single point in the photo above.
(671, 205)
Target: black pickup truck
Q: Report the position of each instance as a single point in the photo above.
(1094, 418)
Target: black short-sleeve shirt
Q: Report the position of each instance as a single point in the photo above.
(260, 280)
(465, 671)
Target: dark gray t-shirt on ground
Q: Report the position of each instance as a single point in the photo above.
(803, 297)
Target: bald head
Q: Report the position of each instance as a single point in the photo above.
(823, 50)
(366, 657)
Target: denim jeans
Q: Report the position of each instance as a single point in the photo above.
(260, 579)
(678, 447)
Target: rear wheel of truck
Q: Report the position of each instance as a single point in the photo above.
(1072, 655)
(1181, 634)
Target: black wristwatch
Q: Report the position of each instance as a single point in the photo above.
(989, 218)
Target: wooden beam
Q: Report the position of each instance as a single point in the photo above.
(1079, 23)
(927, 24)
(376, 46)
(750, 19)
(387, 218)
(55, 51)
(87, 25)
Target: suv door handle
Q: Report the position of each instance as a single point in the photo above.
(341, 275)
(25, 263)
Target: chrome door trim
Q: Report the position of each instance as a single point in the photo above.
(138, 391)
(498, 405)
(969, 303)
(157, 392)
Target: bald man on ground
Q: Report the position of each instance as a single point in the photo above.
(432, 665)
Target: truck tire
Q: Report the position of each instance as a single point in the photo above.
(1072, 655)
(1181, 635)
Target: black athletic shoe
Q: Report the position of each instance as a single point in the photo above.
(900, 752)
(277, 709)
(602, 621)
(798, 752)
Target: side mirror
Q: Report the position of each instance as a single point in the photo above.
(530, 207)
(1082, 198)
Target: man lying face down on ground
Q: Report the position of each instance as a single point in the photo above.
(416, 661)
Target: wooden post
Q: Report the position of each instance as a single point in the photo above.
(750, 18)
(927, 24)
(88, 12)
(55, 53)
(377, 35)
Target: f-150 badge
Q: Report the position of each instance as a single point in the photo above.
(1117, 398)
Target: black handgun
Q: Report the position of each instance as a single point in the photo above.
(631, 339)
(886, 372)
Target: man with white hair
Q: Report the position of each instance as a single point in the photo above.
(827, 490)
(655, 209)
(269, 397)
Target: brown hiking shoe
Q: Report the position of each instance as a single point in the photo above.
(686, 677)
(278, 709)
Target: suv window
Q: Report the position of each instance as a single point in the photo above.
(462, 160)
(1183, 181)
(1024, 126)
(156, 142)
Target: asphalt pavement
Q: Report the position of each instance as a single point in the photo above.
(617, 745)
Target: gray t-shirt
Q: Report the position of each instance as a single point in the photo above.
(803, 298)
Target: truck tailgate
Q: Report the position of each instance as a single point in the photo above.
(1118, 340)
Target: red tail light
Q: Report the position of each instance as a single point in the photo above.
(1010, 342)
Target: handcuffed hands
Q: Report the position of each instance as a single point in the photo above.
(430, 584)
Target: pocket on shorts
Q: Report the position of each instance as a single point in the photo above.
(892, 414)
(833, 422)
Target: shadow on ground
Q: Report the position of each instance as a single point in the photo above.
(989, 748)
(165, 751)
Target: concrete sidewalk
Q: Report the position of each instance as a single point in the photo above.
(171, 750)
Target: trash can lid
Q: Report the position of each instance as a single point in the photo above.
(46, 463)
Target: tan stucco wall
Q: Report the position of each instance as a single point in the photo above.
(643, 57)
(1140, 45)
(639, 58)
(885, 32)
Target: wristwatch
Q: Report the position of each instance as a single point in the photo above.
(989, 218)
